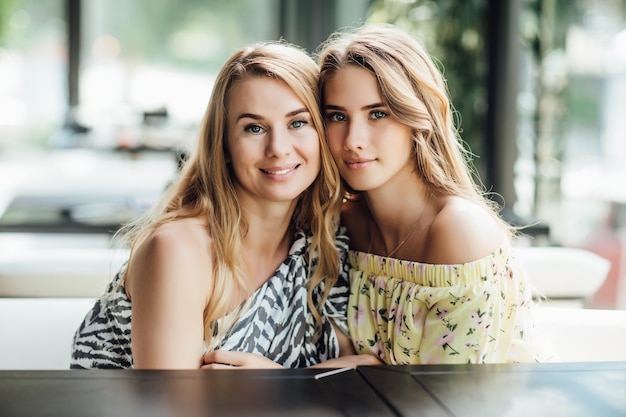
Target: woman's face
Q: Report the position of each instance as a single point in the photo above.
(369, 146)
(273, 146)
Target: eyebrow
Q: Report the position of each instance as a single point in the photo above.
(368, 107)
(258, 117)
(373, 106)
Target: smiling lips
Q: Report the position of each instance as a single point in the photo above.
(356, 164)
(280, 172)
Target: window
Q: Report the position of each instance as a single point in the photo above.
(154, 57)
(145, 70)
(33, 71)
(148, 58)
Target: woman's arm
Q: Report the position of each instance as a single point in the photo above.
(223, 359)
(168, 284)
(345, 344)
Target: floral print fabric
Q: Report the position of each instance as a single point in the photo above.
(416, 313)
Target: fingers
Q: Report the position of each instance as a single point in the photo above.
(366, 359)
(217, 366)
(222, 357)
(351, 361)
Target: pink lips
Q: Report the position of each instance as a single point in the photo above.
(281, 172)
(358, 163)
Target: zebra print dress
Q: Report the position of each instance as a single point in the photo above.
(278, 324)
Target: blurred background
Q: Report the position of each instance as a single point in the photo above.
(99, 100)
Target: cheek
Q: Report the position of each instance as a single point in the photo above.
(238, 169)
(334, 136)
(307, 145)
(315, 153)
(318, 164)
(240, 159)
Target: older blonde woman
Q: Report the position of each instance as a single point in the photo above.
(240, 264)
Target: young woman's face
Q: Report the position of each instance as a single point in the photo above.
(273, 146)
(369, 146)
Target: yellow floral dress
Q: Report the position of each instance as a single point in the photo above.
(416, 313)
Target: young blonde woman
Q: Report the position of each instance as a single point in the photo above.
(240, 264)
(433, 276)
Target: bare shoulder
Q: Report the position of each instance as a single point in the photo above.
(185, 237)
(180, 241)
(355, 217)
(462, 231)
(179, 251)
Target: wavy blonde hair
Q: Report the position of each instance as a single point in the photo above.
(416, 94)
(206, 185)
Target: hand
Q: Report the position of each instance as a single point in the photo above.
(351, 361)
(224, 359)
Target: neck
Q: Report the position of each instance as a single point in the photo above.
(396, 225)
(267, 242)
(266, 234)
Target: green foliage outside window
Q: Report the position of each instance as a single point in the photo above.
(454, 33)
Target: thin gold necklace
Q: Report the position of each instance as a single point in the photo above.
(406, 237)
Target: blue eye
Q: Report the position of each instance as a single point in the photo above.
(378, 114)
(336, 117)
(254, 129)
(297, 124)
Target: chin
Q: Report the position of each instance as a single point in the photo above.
(359, 186)
(287, 196)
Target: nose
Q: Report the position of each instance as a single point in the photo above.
(278, 144)
(356, 135)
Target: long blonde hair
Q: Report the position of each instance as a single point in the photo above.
(206, 185)
(416, 94)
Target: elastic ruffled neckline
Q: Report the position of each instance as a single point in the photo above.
(433, 275)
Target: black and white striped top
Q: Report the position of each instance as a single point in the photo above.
(278, 324)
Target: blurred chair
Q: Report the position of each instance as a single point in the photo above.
(565, 276)
(79, 268)
(568, 277)
(36, 333)
(583, 335)
(47, 284)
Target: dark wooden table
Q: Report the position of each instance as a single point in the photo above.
(589, 389)
(566, 389)
(134, 393)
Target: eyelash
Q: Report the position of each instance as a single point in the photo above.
(332, 117)
(302, 123)
(249, 128)
(340, 117)
(380, 113)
